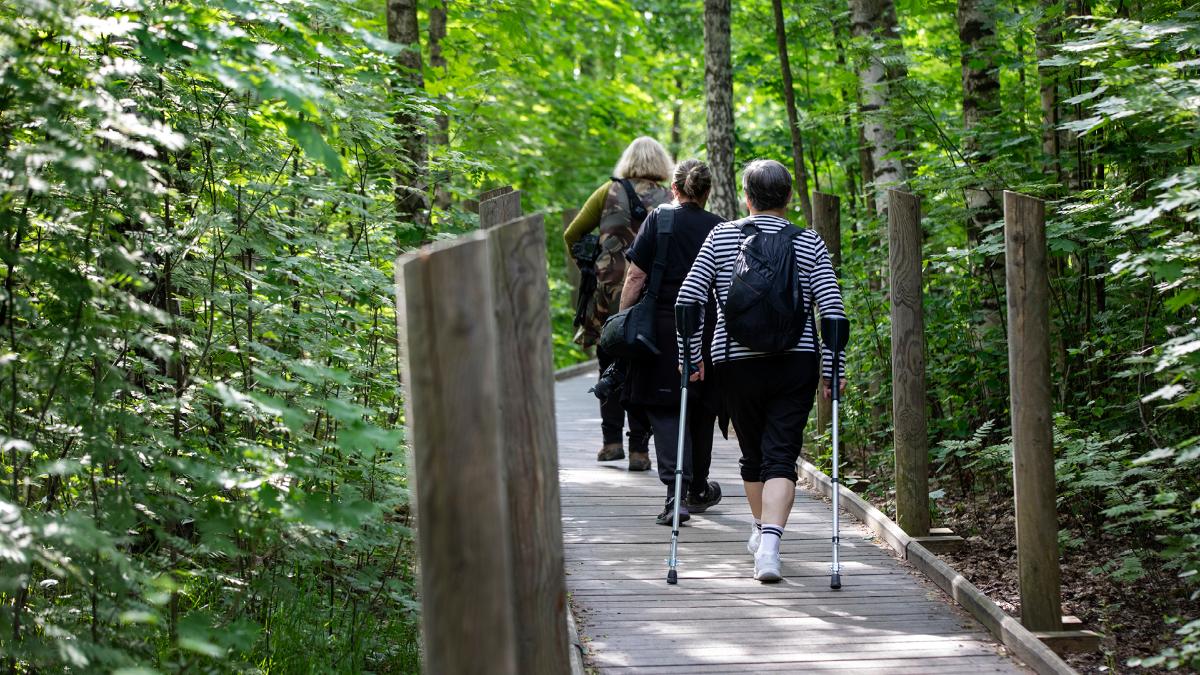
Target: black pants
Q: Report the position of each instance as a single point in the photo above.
(612, 416)
(768, 399)
(697, 444)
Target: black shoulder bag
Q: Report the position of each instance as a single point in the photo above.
(630, 334)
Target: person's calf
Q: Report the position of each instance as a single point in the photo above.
(778, 494)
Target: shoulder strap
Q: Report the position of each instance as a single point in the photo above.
(666, 225)
(631, 194)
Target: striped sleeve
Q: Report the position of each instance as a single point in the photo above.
(826, 294)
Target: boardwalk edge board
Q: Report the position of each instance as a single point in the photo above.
(576, 644)
(1024, 644)
(577, 369)
(572, 626)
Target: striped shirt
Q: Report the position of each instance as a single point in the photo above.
(713, 272)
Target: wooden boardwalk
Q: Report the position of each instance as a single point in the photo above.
(886, 619)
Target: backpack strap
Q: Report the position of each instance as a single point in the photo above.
(666, 226)
(635, 202)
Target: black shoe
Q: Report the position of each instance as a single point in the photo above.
(699, 503)
(668, 513)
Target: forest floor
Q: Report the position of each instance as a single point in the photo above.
(1128, 613)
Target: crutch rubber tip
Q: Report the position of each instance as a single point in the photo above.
(672, 577)
(835, 581)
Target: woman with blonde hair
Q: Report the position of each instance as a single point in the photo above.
(617, 208)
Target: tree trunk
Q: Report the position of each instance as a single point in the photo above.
(1048, 35)
(981, 100)
(441, 137)
(676, 119)
(853, 138)
(718, 99)
(789, 96)
(403, 29)
(867, 168)
(876, 20)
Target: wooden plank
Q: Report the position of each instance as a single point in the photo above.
(1029, 390)
(941, 544)
(580, 585)
(517, 255)
(500, 209)
(876, 609)
(731, 654)
(828, 640)
(1070, 641)
(800, 625)
(953, 664)
(733, 600)
(908, 363)
(450, 372)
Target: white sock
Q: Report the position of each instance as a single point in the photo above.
(771, 536)
(758, 524)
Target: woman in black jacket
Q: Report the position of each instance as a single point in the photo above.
(652, 386)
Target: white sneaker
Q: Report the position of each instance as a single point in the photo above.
(754, 540)
(766, 567)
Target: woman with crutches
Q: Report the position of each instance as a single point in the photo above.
(768, 393)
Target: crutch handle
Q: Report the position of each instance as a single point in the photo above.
(835, 333)
(687, 320)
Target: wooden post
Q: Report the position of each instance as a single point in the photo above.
(827, 222)
(448, 337)
(572, 270)
(522, 306)
(499, 209)
(908, 364)
(472, 205)
(1029, 389)
(494, 192)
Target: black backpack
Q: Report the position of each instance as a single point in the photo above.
(765, 309)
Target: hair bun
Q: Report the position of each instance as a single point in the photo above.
(693, 179)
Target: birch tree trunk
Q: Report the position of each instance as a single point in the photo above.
(410, 179)
(876, 21)
(718, 99)
(789, 96)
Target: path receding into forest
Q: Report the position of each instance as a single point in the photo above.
(886, 618)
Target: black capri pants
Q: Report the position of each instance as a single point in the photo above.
(768, 399)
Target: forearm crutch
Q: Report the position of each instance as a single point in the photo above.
(835, 331)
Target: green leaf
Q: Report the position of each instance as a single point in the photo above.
(309, 138)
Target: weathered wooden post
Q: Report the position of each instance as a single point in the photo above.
(827, 222)
(522, 307)
(472, 205)
(448, 337)
(495, 209)
(908, 364)
(1029, 389)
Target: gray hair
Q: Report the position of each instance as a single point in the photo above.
(767, 184)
